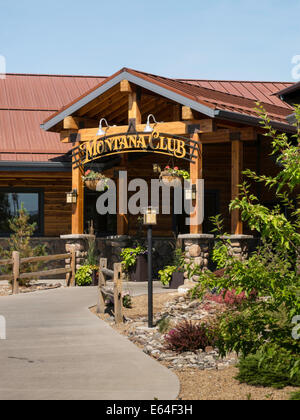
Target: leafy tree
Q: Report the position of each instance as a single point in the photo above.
(271, 271)
(20, 241)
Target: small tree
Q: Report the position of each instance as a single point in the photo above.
(271, 271)
(20, 241)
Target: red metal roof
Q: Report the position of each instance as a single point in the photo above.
(238, 97)
(25, 101)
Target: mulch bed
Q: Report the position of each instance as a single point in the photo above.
(217, 380)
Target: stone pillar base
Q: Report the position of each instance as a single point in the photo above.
(80, 244)
(240, 245)
(197, 248)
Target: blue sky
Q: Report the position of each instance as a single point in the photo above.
(220, 39)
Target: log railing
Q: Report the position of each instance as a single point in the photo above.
(16, 262)
(104, 291)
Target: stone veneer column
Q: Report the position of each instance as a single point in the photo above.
(197, 248)
(113, 248)
(80, 244)
(240, 245)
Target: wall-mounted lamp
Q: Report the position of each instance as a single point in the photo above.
(156, 168)
(101, 132)
(191, 193)
(72, 197)
(148, 128)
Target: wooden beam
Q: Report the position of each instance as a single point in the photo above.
(75, 123)
(187, 113)
(125, 87)
(78, 208)
(66, 135)
(196, 173)
(71, 123)
(225, 136)
(236, 180)
(134, 107)
(176, 127)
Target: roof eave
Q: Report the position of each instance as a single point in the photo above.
(125, 75)
(248, 119)
(19, 166)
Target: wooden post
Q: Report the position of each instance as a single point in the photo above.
(196, 172)
(78, 208)
(236, 180)
(122, 219)
(134, 111)
(16, 272)
(73, 268)
(118, 298)
(102, 283)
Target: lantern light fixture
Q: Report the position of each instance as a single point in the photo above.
(72, 197)
(156, 168)
(101, 132)
(150, 216)
(191, 193)
(148, 128)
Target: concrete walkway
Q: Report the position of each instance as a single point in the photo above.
(57, 349)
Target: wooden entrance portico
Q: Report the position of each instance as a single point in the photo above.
(128, 98)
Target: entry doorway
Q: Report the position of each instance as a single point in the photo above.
(105, 225)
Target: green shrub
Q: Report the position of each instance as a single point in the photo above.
(295, 396)
(271, 366)
(127, 301)
(83, 276)
(91, 258)
(129, 256)
(164, 325)
(165, 275)
(246, 330)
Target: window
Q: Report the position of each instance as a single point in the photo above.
(11, 200)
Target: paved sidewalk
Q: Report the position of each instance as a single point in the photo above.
(57, 349)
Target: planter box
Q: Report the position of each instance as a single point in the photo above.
(140, 272)
(177, 280)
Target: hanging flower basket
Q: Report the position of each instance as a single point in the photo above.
(91, 180)
(171, 180)
(173, 176)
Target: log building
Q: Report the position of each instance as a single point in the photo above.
(42, 118)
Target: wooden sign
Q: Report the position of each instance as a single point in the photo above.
(161, 143)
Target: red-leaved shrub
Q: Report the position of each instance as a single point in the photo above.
(190, 337)
(230, 298)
